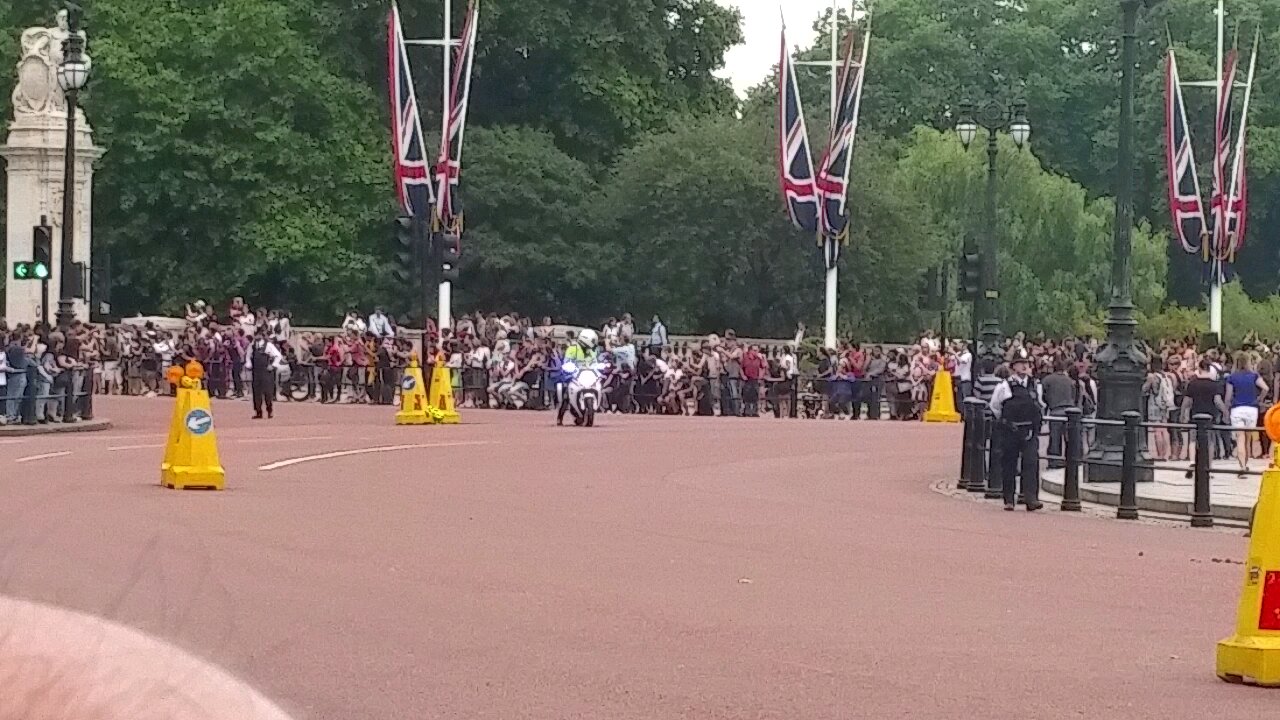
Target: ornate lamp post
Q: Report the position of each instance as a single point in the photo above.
(993, 116)
(1121, 364)
(72, 76)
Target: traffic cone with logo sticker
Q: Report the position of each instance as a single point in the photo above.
(191, 455)
(441, 394)
(1252, 655)
(414, 408)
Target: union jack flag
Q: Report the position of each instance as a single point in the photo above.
(449, 166)
(1221, 150)
(1184, 186)
(413, 186)
(795, 164)
(833, 172)
(1237, 205)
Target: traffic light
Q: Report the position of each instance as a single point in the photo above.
(450, 256)
(42, 251)
(970, 276)
(408, 234)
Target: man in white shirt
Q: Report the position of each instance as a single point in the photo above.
(964, 369)
(380, 324)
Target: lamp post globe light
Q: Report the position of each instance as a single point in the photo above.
(1120, 362)
(73, 75)
(994, 116)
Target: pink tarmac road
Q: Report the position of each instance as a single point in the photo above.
(648, 568)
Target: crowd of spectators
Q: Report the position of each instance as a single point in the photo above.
(508, 360)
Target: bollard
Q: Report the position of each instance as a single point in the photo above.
(86, 402)
(992, 452)
(795, 397)
(1074, 451)
(977, 446)
(28, 405)
(1201, 513)
(1128, 508)
(966, 443)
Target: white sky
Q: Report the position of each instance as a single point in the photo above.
(749, 63)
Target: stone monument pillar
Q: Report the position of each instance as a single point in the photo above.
(34, 153)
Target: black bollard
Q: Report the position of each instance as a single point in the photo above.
(795, 397)
(86, 400)
(977, 446)
(1201, 512)
(1074, 451)
(28, 406)
(966, 443)
(993, 453)
(1128, 508)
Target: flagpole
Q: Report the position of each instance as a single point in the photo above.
(444, 300)
(1215, 281)
(833, 273)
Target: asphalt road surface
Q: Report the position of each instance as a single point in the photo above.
(648, 568)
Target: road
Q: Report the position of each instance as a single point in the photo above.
(702, 568)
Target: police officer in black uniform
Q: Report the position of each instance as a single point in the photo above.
(264, 361)
(1018, 407)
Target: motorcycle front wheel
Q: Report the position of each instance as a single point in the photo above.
(589, 412)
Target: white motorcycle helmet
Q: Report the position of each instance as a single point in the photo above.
(588, 339)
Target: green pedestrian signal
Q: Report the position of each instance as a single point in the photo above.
(40, 270)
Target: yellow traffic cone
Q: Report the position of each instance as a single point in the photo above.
(413, 396)
(441, 394)
(942, 406)
(1252, 655)
(191, 455)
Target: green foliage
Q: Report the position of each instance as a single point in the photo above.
(608, 169)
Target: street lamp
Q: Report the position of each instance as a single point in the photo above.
(73, 73)
(993, 116)
(1121, 363)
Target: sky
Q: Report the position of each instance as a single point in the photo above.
(751, 62)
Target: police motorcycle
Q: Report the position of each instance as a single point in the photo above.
(582, 382)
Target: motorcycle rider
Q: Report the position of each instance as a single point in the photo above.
(581, 353)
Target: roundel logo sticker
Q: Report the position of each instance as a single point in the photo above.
(199, 422)
(408, 382)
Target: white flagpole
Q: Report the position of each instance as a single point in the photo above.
(833, 273)
(445, 298)
(1215, 283)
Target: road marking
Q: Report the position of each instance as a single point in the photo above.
(313, 438)
(362, 451)
(46, 456)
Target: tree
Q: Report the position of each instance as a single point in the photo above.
(532, 241)
(1055, 242)
(240, 159)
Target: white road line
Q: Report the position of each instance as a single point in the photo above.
(46, 456)
(14, 441)
(363, 451)
(236, 441)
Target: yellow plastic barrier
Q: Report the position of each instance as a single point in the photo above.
(1252, 655)
(191, 454)
(414, 408)
(942, 407)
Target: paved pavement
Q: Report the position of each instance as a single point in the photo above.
(1231, 497)
(699, 568)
